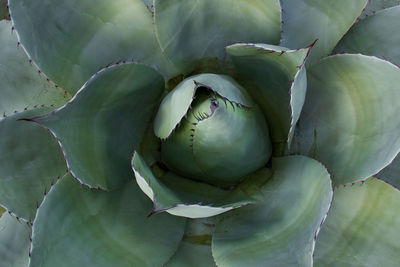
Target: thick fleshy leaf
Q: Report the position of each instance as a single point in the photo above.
(184, 197)
(376, 5)
(276, 78)
(193, 33)
(14, 242)
(104, 123)
(280, 229)
(176, 104)
(305, 21)
(195, 248)
(350, 119)
(71, 40)
(4, 10)
(391, 174)
(231, 144)
(378, 35)
(362, 228)
(21, 84)
(201, 147)
(30, 161)
(77, 226)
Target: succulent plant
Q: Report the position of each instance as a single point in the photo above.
(199, 133)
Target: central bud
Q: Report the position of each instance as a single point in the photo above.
(212, 131)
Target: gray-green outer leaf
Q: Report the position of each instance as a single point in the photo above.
(77, 226)
(279, 230)
(362, 228)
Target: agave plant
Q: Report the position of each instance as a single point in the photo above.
(200, 133)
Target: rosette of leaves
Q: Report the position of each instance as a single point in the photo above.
(199, 133)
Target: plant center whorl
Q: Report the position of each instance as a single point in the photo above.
(218, 141)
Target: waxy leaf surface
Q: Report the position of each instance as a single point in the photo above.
(14, 242)
(276, 78)
(78, 226)
(30, 161)
(362, 227)
(193, 33)
(21, 84)
(350, 119)
(71, 40)
(104, 123)
(378, 35)
(305, 21)
(279, 230)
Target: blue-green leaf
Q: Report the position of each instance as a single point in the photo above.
(305, 21)
(14, 242)
(391, 173)
(193, 33)
(78, 226)
(378, 35)
(71, 40)
(184, 197)
(375, 5)
(195, 247)
(362, 227)
(30, 161)
(350, 119)
(105, 122)
(276, 78)
(279, 230)
(21, 84)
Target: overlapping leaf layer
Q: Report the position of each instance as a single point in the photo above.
(82, 178)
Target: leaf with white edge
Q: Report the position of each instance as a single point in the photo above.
(279, 230)
(362, 227)
(195, 247)
(105, 122)
(326, 20)
(71, 40)
(78, 226)
(30, 162)
(378, 35)
(193, 33)
(176, 104)
(21, 85)
(184, 197)
(376, 5)
(350, 119)
(391, 173)
(2, 210)
(276, 78)
(14, 242)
